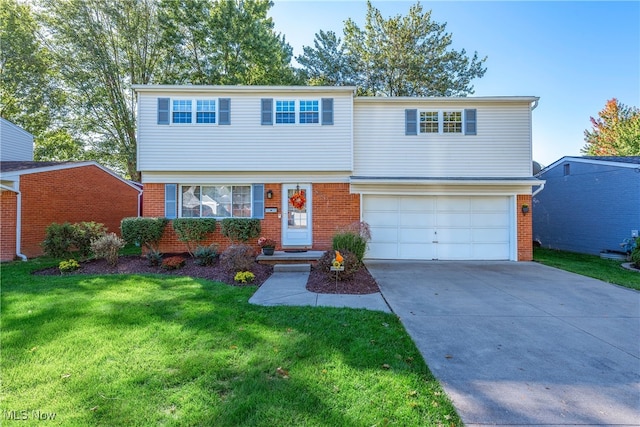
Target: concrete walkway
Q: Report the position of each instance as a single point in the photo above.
(287, 286)
(517, 343)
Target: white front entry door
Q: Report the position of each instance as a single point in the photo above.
(296, 220)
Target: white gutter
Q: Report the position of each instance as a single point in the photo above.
(535, 105)
(539, 189)
(18, 220)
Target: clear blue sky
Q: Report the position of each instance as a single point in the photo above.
(573, 55)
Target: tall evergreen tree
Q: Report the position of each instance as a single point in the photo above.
(401, 56)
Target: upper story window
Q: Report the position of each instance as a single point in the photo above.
(285, 112)
(205, 111)
(452, 122)
(440, 122)
(218, 201)
(300, 111)
(309, 112)
(429, 122)
(181, 112)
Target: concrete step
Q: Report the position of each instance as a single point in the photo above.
(291, 268)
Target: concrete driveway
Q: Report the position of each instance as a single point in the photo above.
(521, 343)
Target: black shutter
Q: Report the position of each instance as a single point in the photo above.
(170, 201)
(327, 111)
(224, 105)
(257, 208)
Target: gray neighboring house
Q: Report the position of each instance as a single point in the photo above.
(589, 204)
(16, 144)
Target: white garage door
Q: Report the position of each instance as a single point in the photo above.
(438, 227)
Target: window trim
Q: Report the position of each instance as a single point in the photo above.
(194, 110)
(252, 189)
(441, 122)
(297, 112)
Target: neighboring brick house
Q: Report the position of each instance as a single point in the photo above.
(589, 204)
(435, 178)
(36, 194)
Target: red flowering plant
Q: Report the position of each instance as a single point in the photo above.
(265, 242)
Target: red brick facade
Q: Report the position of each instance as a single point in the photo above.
(83, 193)
(525, 228)
(8, 211)
(333, 207)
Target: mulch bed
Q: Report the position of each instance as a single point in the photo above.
(318, 282)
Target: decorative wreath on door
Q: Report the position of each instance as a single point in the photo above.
(298, 200)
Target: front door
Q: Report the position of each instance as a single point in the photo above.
(296, 215)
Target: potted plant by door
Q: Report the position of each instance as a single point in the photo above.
(267, 245)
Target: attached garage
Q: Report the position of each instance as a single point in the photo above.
(440, 227)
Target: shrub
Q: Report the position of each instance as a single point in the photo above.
(206, 255)
(107, 246)
(635, 254)
(244, 277)
(85, 233)
(58, 240)
(240, 229)
(193, 230)
(173, 263)
(353, 238)
(154, 257)
(145, 231)
(351, 265)
(68, 266)
(237, 258)
(351, 242)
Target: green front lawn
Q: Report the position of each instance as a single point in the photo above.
(156, 350)
(589, 265)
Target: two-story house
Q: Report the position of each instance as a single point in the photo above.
(435, 178)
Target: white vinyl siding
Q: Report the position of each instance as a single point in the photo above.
(245, 144)
(501, 147)
(16, 143)
(439, 227)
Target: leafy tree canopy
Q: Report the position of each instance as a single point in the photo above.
(401, 56)
(616, 131)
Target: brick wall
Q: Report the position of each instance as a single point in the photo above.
(333, 207)
(8, 209)
(525, 228)
(85, 193)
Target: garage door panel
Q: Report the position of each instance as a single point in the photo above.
(416, 251)
(382, 250)
(413, 219)
(454, 251)
(380, 203)
(488, 203)
(457, 235)
(378, 218)
(454, 220)
(490, 235)
(492, 219)
(384, 234)
(422, 204)
(452, 204)
(416, 235)
(490, 251)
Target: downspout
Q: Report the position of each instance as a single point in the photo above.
(22, 256)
